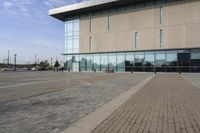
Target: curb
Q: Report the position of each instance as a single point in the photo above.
(91, 121)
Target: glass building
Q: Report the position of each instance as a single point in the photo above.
(161, 40)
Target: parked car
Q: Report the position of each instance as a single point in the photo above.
(4, 69)
(33, 69)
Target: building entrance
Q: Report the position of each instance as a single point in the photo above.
(75, 66)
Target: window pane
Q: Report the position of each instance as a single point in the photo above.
(161, 15)
(160, 58)
(139, 60)
(82, 62)
(121, 62)
(69, 27)
(195, 60)
(104, 62)
(129, 63)
(161, 38)
(112, 61)
(76, 25)
(96, 62)
(137, 40)
(89, 62)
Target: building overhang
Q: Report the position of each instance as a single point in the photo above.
(87, 7)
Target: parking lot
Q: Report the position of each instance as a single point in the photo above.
(52, 101)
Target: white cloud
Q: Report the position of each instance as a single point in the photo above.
(7, 5)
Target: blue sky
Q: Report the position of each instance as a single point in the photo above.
(26, 29)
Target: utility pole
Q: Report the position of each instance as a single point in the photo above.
(15, 60)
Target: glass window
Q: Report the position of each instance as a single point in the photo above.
(195, 54)
(149, 58)
(161, 15)
(90, 24)
(129, 62)
(137, 40)
(89, 62)
(139, 57)
(69, 27)
(112, 61)
(104, 62)
(139, 60)
(96, 61)
(69, 62)
(195, 60)
(171, 61)
(160, 58)
(72, 35)
(172, 58)
(161, 38)
(108, 22)
(82, 62)
(121, 62)
(76, 26)
(76, 44)
(149, 61)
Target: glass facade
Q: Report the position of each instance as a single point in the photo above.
(146, 61)
(72, 35)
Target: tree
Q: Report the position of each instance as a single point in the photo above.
(44, 64)
(57, 64)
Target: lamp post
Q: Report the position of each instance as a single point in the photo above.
(15, 60)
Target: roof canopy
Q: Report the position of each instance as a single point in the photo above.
(88, 6)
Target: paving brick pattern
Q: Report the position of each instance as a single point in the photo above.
(167, 104)
(59, 101)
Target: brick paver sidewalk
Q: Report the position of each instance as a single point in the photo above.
(167, 104)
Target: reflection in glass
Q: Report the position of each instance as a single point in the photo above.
(69, 62)
(195, 60)
(149, 61)
(129, 63)
(112, 61)
(89, 62)
(160, 61)
(121, 62)
(96, 62)
(184, 60)
(171, 61)
(82, 62)
(104, 62)
(139, 60)
(72, 35)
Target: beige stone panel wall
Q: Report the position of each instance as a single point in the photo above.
(193, 12)
(130, 40)
(121, 41)
(181, 26)
(99, 25)
(84, 26)
(178, 14)
(147, 18)
(166, 16)
(109, 43)
(193, 35)
(134, 20)
(84, 44)
(147, 39)
(119, 22)
(177, 36)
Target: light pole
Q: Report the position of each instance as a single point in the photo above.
(51, 64)
(15, 60)
(8, 57)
